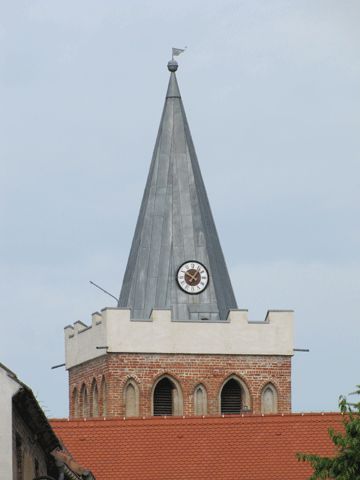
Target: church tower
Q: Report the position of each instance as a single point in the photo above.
(177, 344)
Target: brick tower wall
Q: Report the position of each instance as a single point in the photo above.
(188, 370)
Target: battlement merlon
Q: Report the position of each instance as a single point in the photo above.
(114, 331)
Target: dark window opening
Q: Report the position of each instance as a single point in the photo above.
(163, 398)
(36, 467)
(19, 458)
(231, 401)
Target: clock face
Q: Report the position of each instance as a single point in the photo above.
(192, 277)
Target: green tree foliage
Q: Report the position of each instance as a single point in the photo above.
(345, 465)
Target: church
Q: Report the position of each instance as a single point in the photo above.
(176, 382)
(177, 344)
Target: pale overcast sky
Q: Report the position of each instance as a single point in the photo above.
(272, 94)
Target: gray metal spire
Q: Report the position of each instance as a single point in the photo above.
(175, 225)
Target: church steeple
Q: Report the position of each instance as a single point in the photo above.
(176, 227)
(173, 324)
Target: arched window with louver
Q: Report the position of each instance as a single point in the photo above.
(167, 398)
(231, 397)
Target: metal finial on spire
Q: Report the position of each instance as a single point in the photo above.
(172, 64)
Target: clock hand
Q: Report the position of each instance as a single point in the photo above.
(193, 277)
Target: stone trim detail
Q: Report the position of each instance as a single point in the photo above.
(269, 398)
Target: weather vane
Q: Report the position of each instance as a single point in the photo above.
(172, 64)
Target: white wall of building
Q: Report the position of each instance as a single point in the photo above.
(8, 388)
(114, 329)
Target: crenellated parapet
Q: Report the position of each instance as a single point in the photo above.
(114, 331)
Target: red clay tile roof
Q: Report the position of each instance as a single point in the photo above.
(211, 448)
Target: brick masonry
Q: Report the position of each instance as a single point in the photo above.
(188, 370)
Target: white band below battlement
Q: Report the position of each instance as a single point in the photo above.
(114, 331)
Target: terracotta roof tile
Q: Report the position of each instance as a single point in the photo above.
(230, 448)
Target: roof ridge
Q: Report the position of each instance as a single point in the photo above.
(189, 418)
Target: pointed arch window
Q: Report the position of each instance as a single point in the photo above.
(75, 403)
(94, 411)
(167, 398)
(103, 397)
(269, 399)
(231, 398)
(200, 400)
(131, 399)
(234, 397)
(84, 401)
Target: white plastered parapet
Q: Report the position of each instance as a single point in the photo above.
(112, 330)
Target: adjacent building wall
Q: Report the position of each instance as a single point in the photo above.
(33, 456)
(26, 437)
(8, 388)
